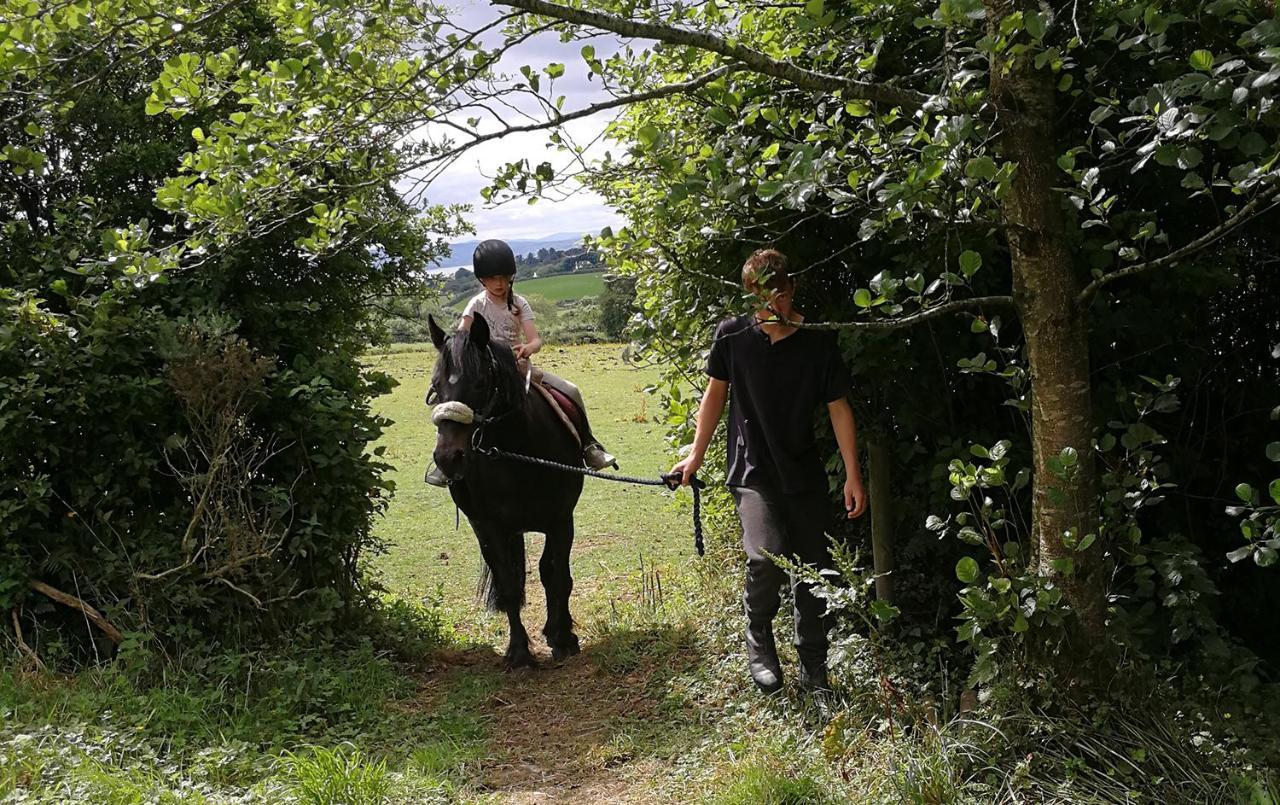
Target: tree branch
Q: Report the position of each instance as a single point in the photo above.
(22, 643)
(75, 603)
(1242, 215)
(905, 321)
(587, 111)
(754, 59)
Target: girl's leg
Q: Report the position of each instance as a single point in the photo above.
(592, 450)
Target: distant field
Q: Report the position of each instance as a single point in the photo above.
(563, 287)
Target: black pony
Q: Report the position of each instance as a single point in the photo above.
(482, 401)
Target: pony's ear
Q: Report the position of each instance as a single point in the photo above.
(437, 335)
(479, 331)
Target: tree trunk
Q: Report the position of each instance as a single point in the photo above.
(879, 462)
(1045, 287)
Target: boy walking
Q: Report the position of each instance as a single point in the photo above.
(774, 376)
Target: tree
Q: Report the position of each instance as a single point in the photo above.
(185, 423)
(904, 132)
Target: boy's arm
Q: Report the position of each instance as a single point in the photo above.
(709, 411)
(855, 497)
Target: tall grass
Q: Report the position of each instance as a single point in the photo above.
(340, 775)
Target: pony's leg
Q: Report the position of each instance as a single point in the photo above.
(558, 583)
(504, 554)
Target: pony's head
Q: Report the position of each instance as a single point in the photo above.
(475, 382)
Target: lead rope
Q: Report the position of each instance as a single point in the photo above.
(670, 480)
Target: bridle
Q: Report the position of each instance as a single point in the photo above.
(463, 414)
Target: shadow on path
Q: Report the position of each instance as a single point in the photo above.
(598, 727)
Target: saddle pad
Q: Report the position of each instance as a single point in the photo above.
(566, 411)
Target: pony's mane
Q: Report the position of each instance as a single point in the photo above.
(457, 355)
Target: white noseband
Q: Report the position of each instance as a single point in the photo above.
(453, 411)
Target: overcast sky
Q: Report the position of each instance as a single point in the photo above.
(461, 182)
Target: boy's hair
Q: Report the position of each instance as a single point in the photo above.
(766, 268)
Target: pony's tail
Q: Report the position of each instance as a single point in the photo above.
(486, 590)
(503, 588)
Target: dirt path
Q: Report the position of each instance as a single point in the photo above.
(598, 727)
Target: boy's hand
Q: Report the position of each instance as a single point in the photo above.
(687, 468)
(855, 498)
(519, 350)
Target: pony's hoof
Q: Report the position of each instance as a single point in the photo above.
(568, 648)
(513, 660)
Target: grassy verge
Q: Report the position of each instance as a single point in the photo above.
(657, 708)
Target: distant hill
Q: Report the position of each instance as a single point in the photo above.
(462, 250)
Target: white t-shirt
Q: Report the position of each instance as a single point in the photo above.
(504, 326)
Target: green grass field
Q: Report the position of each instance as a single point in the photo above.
(563, 287)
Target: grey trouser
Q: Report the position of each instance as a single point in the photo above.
(565, 387)
(776, 523)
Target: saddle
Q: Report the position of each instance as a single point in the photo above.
(565, 410)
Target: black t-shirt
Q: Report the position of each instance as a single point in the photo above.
(774, 390)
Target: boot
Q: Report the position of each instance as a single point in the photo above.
(596, 458)
(813, 675)
(435, 477)
(762, 659)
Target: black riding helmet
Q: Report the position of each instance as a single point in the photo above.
(493, 258)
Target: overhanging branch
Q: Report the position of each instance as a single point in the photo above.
(558, 120)
(1242, 215)
(905, 321)
(849, 88)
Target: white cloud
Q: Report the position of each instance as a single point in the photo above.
(461, 182)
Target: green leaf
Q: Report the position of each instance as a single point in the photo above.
(980, 168)
(720, 115)
(1252, 144)
(1274, 491)
(814, 8)
(967, 570)
(883, 611)
(1035, 24)
(1245, 493)
(770, 151)
(970, 262)
(588, 52)
(1240, 554)
(769, 189)
(555, 69)
(1201, 60)
(862, 298)
(647, 134)
(1273, 451)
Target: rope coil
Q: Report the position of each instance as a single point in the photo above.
(670, 481)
